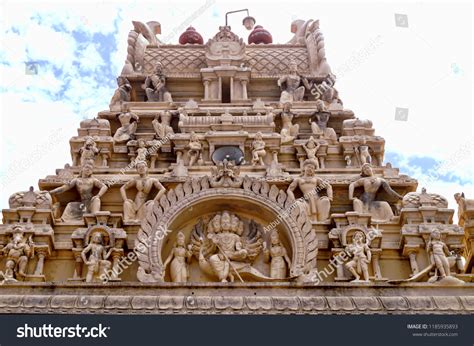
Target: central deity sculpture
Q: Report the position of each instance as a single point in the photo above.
(293, 85)
(227, 247)
(155, 86)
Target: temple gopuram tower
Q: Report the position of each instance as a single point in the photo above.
(229, 177)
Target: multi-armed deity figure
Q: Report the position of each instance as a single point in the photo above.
(277, 256)
(178, 258)
(97, 263)
(367, 202)
(293, 85)
(319, 125)
(289, 131)
(121, 94)
(155, 86)
(129, 123)
(162, 128)
(18, 252)
(88, 151)
(311, 147)
(361, 257)
(195, 149)
(134, 210)
(84, 185)
(258, 150)
(311, 186)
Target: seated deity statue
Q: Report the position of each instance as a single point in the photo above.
(367, 202)
(163, 128)
(178, 258)
(310, 185)
(18, 252)
(293, 85)
(84, 185)
(277, 256)
(121, 94)
(135, 210)
(319, 126)
(126, 132)
(155, 86)
(361, 256)
(89, 151)
(289, 131)
(194, 149)
(97, 263)
(258, 150)
(311, 147)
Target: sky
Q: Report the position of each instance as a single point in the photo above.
(407, 66)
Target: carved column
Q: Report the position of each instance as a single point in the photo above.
(411, 251)
(376, 264)
(206, 89)
(340, 273)
(244, 82)
(42, 251)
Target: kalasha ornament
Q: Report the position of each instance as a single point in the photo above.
(260, 35)
(190, 36)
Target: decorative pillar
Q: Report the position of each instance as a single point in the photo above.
(244, 82)
(42, 251)
(206, 89)
(376, 264)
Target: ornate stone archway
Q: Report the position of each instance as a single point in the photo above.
(292, 219)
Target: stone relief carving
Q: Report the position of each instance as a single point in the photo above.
(194, 150)
(121, 94)
(129, 122)
(464, 206)
(84, 185)
(361, 257)
(289, 131)
(18, 253)
(226, 247)
(97, 262)
(88, 151)
(276, 254)
(292, 85)
(367, 202)
(162, 125)
(319, 125)
(178, 258)
(155, 86)
(133, 211)
(258, 150)
(310, 185)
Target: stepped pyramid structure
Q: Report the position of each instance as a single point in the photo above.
(229, 178)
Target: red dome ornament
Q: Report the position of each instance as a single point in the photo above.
(260, 35)
(190, 36)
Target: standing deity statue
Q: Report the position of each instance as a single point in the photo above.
(311, 147)
(439, 252)
(363, 152)
(361, 257)
(310, 185)
(367, 203)
(121, 94)
(178, 258)
(135, 210)
(163, 129)
(292, 85)
(195, 149)
(289, 131)
(84, 185)
(277, 256)
(126, 132)
(142, 151)
(258, 150)
(18, 252)
(97, 263)
(319, 126)
(88, 151)
(155, 86)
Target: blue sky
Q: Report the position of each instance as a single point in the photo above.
(79, 49)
